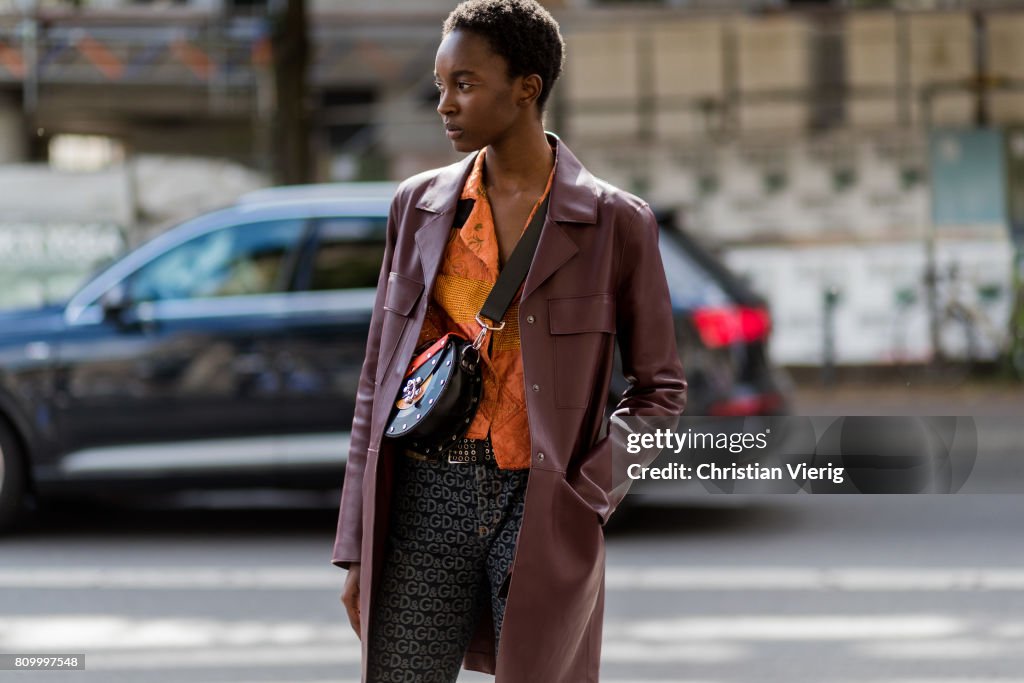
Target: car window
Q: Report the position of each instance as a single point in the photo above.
(691, 285)
(243, 259)
(348, 253)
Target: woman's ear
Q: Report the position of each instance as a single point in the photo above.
(530, 89)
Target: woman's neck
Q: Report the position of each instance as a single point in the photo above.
(519, 163)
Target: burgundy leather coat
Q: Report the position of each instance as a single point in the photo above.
(597, 275)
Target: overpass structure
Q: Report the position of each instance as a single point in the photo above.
(637, 81)
(198, 81)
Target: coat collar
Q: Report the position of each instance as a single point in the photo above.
(573, 192)
(574, 195)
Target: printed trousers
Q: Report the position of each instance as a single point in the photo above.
(450, 546)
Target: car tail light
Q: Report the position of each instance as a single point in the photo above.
(731, 325)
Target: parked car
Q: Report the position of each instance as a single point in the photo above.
(225, 352)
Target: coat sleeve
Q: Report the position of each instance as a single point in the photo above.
(348, 541)
(645, 330)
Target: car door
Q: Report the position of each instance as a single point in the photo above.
(185, 378)
(329, 321)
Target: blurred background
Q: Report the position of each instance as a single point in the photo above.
(855, 161)
(841, 189)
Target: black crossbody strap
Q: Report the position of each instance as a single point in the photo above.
(516, 268)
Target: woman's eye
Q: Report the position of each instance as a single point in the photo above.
(461, 85)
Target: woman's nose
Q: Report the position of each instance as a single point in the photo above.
(444, 104)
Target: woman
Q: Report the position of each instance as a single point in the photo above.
(502, 542)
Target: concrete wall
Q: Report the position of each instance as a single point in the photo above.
(863, 188)
(602, 66)
(889, 59)
(689, 62)
(773, 57)
(873, 60)
(941, 48)
(871, 325)
(1007, 59)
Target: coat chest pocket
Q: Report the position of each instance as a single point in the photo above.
(399, 301)
(582, 328)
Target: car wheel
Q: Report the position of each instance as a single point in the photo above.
(12, 479)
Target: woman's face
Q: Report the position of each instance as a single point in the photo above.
(478, 101)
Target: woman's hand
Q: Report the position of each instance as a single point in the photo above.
(350, 597)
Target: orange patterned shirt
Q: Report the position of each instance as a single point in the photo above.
(469, 269)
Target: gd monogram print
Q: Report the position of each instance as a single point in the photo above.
(450, 547)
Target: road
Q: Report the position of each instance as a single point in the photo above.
(788, 588)
(779, 588)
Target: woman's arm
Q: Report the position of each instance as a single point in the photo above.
(348, 541)
(645, 330)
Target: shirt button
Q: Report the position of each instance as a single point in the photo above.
(536, 387)
(540, 456)
(530, 319)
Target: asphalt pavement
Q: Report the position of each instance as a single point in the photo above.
(893, 392)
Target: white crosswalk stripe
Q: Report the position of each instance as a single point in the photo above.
(190, 644)
(768, 578)
(117, 642)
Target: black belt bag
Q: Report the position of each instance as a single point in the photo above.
(442, 387)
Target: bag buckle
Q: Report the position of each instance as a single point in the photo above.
(478, 342)
(412, 389)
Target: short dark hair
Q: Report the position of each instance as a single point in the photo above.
(521, 31)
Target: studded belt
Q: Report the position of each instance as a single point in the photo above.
(464, 451)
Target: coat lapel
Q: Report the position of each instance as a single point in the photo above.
(553, 249)
(573, 200)
(439, 199)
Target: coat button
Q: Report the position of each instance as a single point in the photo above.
(536, 387)
(530, 319)
(540, 456)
